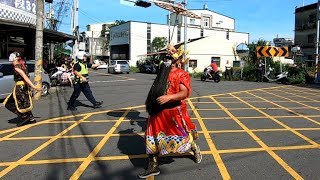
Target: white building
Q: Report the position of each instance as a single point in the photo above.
(97, 36)
(214, 33)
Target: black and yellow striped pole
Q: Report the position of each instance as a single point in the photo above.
(39, 48)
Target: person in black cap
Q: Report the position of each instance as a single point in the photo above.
(81, 72)
(19, 101)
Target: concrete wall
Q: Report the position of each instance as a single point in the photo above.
(138, 41)
(215, 46)
(218, 21)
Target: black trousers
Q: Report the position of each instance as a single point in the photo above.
(228, 73)
(260, 74)
(77, 89)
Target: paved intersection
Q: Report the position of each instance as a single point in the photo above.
(265, 133)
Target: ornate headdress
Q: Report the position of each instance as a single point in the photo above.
(14, 55)
(177, 54)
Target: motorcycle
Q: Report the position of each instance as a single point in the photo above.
(60, 77)
(215, 76)
(282, 77)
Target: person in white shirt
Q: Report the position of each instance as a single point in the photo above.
(228, 70)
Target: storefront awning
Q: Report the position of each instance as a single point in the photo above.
(49, 35)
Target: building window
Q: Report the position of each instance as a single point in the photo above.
(217, 60)
(312, 18)
(179, 34)
(192, 21)
(228, 35)
(311, 38)
(193, 63)
(206, 22)
(201, 33)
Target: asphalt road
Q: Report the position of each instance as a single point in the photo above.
(247, 130)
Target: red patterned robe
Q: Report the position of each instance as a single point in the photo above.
(169, 130)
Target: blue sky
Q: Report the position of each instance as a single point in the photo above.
(262, 19)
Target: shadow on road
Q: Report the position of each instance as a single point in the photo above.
(130, 141)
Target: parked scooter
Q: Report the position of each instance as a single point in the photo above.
(282, 77)
(60, 77)
(215, 76)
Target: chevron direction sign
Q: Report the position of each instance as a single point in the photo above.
(271, 51)
(283, 51)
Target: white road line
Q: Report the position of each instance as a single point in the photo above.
(111, 81)
(108, 74)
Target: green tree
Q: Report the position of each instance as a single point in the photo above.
(61, 51)
(159, 43)
(253, 59)
(117, 23)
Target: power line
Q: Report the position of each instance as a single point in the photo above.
(86, 15)
(90, 16)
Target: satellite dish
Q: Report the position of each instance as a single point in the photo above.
(242, 50)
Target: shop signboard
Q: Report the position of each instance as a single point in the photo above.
(119, 35)
(18, 10)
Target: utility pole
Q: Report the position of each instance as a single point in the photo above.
(39, 47)
(317, 44)
(185, 37)
(75, 26)
(169, 26)
(91, 58)
(52, 21)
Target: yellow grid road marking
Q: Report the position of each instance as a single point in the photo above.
(292, 111)
(312, 100)
(9, 130)
(139, 156)
(259, 141)
(279, 122)
(222, 168)
(142, 133)
(49, 121)
(22, 128)
(93, 154)
(254, 117)
(304, 89)
(104, 158)
(38, 149)
(237, 92)
(294, 95)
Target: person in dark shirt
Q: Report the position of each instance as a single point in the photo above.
(81, 72)
(19, 101)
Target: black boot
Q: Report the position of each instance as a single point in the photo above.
(196, 152)
(26, 119)
(97, 104)
(153, 168)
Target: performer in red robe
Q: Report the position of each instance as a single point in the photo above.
(169, 127)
